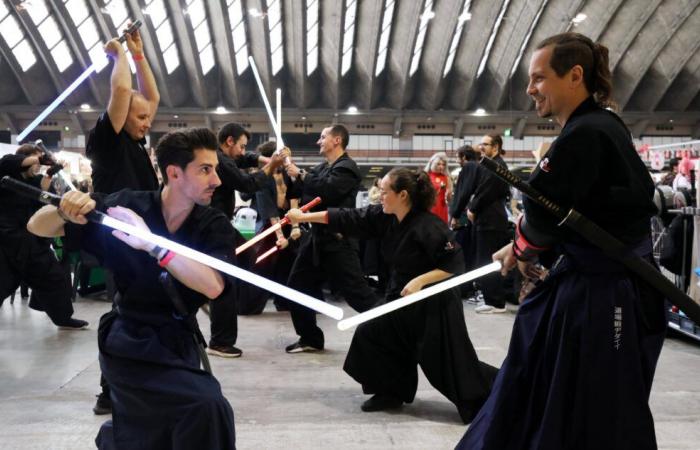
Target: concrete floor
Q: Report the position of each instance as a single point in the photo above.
(48, 379)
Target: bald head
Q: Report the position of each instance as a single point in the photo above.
(138, 121)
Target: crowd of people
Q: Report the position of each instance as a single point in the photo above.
(423, 227)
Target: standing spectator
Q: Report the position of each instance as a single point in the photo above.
(487, 211)
(464, 229)
(442, 182)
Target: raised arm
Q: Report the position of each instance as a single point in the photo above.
(144, 75)
(120, 86)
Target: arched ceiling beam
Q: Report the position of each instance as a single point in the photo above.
(368, 30)
(684, 88)
(665, 23)
(74, 42)
(295, 48)
(494, 81)
(406, 23)
(462, 78)
(188, 52)
(37, 42)
(16, 70)
(260, 50)
(429, 77)
(330, 46)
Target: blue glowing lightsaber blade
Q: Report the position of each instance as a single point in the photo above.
(69, 90)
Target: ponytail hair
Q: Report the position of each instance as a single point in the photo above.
(416, 183)
(571, 49)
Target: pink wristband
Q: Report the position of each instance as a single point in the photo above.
(167, 258)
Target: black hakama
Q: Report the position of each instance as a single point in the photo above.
(580, 363)
(432, 333)
(161, 399)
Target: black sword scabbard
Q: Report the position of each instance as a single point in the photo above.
(605, 241)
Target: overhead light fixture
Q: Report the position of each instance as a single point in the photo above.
(175, 116)
(352, 109)
(580, 17)
(303, 117)
(255, 12)
(221, 110)
(85, 106)
(427, 15)
(480, 112)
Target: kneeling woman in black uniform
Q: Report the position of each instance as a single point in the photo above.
(419, 250)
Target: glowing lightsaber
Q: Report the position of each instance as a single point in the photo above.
(418, 296)
(69, 90)
(39, 143)
(254, 240)
(266, 102)
(278, 101)
(214, 263)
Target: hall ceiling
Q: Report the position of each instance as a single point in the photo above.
(395, 61)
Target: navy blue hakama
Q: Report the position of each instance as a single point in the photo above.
(580, 364)
(161, 399)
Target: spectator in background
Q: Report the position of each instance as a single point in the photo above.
(682, 178)
(672, 172)
(468, 158)
(439, 174)
(487, 211)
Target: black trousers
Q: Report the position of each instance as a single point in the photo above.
(337, 262)
(25, 258)
(492, 285)
(224, 318)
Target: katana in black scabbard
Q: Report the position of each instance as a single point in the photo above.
(605, 241)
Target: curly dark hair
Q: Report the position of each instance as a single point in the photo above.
(416, 183)
(177, 148)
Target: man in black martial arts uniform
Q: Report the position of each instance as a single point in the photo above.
(116, 145)
(233, 139)
(487, 213)
(148, 344)
(586, 340)
(464, 229)
(322, 255)
(25, 258)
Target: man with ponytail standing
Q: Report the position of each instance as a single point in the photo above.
(586, 340)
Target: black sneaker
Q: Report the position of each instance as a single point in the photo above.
(381, 402)
(298, 347)
(72, 324)
(224, 351)
(103, 405)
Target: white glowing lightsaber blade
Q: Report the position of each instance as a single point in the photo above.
(49, 109)
(266, 102)
(278, 101)
(66, 180)
(230, 269)
(418, 296)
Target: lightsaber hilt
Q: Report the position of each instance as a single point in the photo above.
(134, 26)
(605, 241)
(40, 145)
(44, 197)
